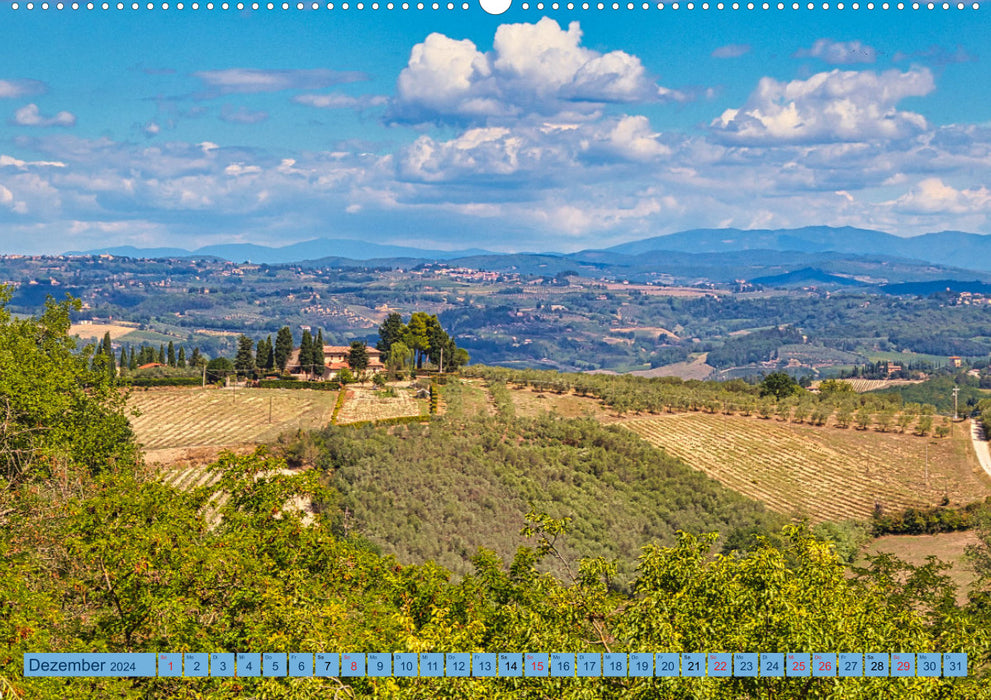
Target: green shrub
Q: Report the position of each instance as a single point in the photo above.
(926, 521)
(293, 384)
(163, 381)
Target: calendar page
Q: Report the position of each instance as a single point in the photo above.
(495, 349)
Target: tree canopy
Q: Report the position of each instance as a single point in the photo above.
(358, 356)
(779, 385)
(56, 406)
(424, 337)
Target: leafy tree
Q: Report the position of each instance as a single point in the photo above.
(779, 385)
(863, 417)
(344, 376)
(459, 358)
(358, 356)
(401, 359)
(283, 348)
(391, 331)
(980, 554)
(218, 368)
(829, 387)
(417, 335)
(844, 413)
(440, 344)
(244, 361)
(54, 409)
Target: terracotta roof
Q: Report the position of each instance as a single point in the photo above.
(344, 349)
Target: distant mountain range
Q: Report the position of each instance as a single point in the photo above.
(819, 255)
(952, 248)
(297, 252)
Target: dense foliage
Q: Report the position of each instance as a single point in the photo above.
(57, 406)
(939, 393)
(927, 521)
(758, 346)
(440, 491)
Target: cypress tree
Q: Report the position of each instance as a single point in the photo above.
(318, 358)
(306, 352)
(181, 361)
(108, 350)
(132, 361)
(196, 358)
(391, 331)
(260, 353)
(171, 355)
(283, 348)
(244, 362)
(161, 355)
(123, 359)
(269, 354)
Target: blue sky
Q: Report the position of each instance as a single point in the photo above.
(531, 130)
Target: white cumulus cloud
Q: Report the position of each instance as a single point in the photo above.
(30, 115)
(828, 107)
(476, 154)
(933, 196)
(632, 138)
(533, 68)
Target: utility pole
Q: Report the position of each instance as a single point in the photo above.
(956, 392)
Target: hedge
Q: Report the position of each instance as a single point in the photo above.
(927, 521)
(162, 381)
(293, 384)
(387, 421)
